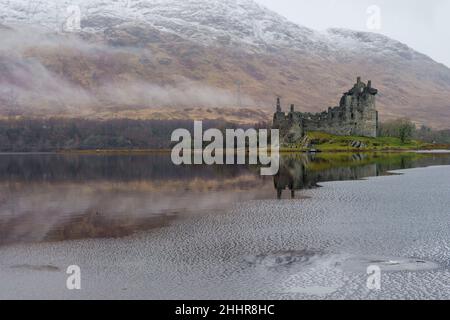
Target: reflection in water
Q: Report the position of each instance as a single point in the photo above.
(299, 172)
(58, 197)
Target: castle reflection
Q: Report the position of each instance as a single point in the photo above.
(301, 171)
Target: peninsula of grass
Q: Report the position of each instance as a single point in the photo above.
(324, 142)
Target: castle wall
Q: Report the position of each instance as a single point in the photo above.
(356, 115)
(291, 126)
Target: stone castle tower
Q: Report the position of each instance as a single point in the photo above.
(356, 115)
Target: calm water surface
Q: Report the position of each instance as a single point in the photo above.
(53, 197)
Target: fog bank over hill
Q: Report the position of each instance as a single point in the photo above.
(32, 84)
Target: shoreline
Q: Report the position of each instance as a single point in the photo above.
(168, 151)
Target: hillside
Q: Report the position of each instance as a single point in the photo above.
(173, 60)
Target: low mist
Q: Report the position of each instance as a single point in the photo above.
(45, 74)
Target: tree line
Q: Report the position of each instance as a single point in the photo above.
(47, 135)
(406, 130)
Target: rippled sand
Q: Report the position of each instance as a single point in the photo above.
(318, 247)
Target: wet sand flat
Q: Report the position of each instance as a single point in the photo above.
(317, 247)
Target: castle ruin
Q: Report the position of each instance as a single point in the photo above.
(356, 115)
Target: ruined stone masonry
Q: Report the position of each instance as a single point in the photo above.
(356, 115)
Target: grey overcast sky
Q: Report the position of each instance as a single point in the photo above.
(424, 25)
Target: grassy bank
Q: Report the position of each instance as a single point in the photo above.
(325, 142)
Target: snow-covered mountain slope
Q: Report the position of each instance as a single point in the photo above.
(207, 21)
(231, 23)
(223, 22)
